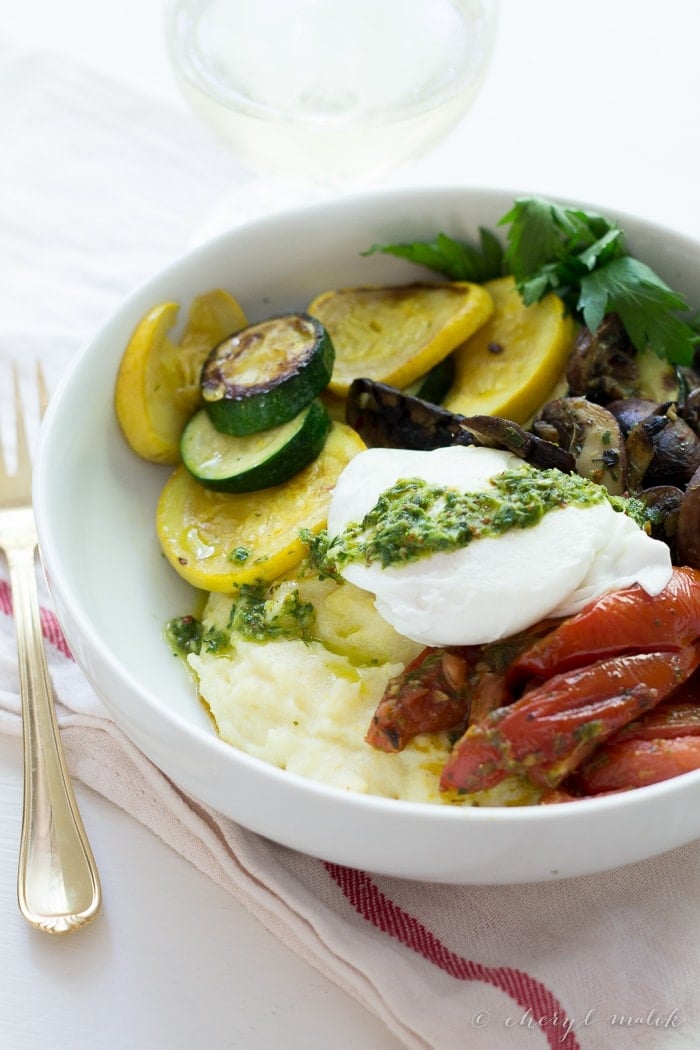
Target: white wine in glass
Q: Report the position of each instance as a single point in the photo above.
(330, 93)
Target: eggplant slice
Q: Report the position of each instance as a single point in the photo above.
(385, 417)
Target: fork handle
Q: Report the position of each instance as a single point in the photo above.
(58, 886)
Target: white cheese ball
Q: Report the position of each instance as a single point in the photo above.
(497, 585)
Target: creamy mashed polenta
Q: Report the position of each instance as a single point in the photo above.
(305, 704)
(307, 710)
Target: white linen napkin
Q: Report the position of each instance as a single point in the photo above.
(101, 188)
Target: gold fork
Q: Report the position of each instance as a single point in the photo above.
(58, 887)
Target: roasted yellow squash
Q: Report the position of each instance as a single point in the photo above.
(157, 387)
(396, 334)
(509, 367)
(218, 541)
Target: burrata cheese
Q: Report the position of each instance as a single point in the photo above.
(494, 586)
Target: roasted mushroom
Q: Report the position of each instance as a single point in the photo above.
(662, 450)
(690, 409)
(504, 433)
(688, 526)
(630, 411)
(602, 366)
(663, 504)
(591, 434)
(386, 417)
(640, 448)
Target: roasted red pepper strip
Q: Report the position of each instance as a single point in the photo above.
(625, 621)
(674, 718)
(440, 688)
(490, 684)
(661, 744)
(636, 763)
(431, 694)
(554, 727)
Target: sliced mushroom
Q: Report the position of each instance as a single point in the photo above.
(602, 364)
(641, 448)
(690, 410)
(663, 504)
(688, 527)
(630, 411)
(504, 433)
(676, 450)
(592, 435)
(388, 418)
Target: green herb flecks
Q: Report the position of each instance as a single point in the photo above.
(455, 260)
(184, 635)
(317, 560)
(187, 634)
(260, 614)
(634, 508)
(239, 554)
(214, 640)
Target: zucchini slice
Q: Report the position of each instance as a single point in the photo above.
(227, 463)
(434, 384)
(265, 374)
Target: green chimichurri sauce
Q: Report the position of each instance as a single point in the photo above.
(258, 613)
(414, 519)
(186, 634)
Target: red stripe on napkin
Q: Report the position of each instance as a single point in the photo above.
(5, 598)
(49, 624)
(530, 994)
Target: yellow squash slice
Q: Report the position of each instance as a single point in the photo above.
(395, 335)
(219, 541)
(157, 388)
(509, 367)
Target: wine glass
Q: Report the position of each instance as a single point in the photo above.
(325, 96)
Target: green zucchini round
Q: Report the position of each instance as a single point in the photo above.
(264, 375)
(227, 463)
(434, 384)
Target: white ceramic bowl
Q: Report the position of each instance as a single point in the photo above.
(113, 590)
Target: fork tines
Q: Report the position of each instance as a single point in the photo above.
(21, 449)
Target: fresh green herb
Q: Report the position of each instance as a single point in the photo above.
(259, 613)
(551, 248)
(645, 306)
(455, 260)
(582, 257)
(184, 635)
(578, 255)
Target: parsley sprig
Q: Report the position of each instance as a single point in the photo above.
(456, 260)
(581, 257)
